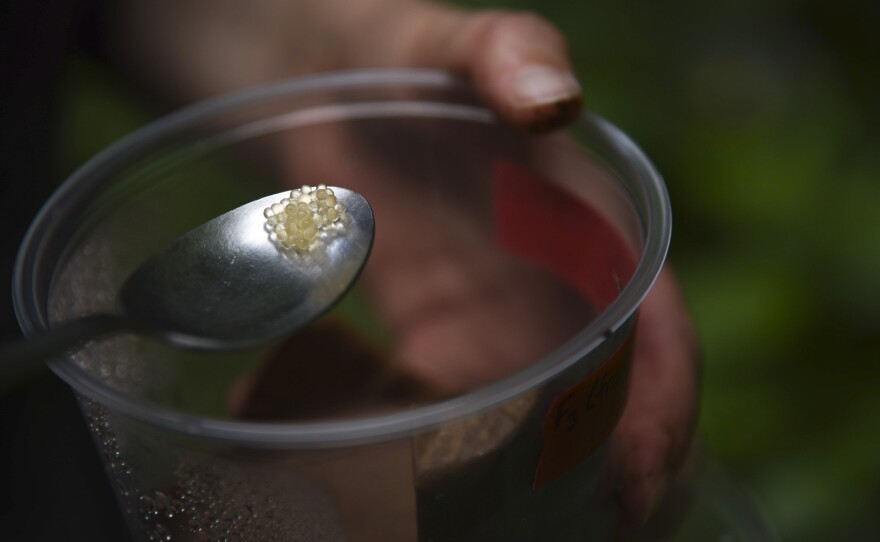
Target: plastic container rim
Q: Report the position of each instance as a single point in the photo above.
(303, 435)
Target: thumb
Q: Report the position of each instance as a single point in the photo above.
(517, 61)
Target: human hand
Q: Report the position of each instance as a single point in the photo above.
(188, 50)
(653, 437)
(518, 63)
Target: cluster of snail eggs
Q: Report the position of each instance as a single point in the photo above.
(298, 219)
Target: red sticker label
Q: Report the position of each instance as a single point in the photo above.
(541, 222)
(582, 417)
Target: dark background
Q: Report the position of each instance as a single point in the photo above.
(764, 119)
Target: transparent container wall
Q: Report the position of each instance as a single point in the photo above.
(473, 479)
(495, 247)
(493, 253)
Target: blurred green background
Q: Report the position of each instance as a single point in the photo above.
(763, 118)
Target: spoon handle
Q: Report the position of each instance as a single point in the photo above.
(23, 359)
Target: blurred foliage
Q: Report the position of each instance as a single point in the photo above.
(765, 120)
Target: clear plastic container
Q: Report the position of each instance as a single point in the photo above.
(464, 390)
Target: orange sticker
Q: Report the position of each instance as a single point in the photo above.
(582, 417)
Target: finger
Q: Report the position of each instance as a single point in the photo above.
(517, 61)
(655, 430)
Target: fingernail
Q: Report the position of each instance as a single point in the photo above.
(538, 84)
(655, 493)
(643, 484)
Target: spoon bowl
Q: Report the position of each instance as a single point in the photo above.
(226, 285)
(223, 285)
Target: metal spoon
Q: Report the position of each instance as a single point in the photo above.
(223, 285)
